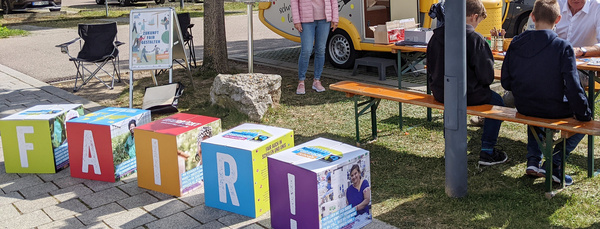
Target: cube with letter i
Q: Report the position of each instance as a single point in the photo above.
(169, 152)
(35, 140)
(102, 143)
(235, 167)
(320, 184)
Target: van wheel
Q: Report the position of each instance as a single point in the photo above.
(340, 50)
(100, 2)
(6, 6)
(522, 25)
(159, 1)
(125, 2)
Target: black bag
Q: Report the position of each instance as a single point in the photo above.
(162, 99)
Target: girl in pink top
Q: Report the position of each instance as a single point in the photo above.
(313, 18)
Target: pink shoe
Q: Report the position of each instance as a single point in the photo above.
(300, 90)
(317, 86)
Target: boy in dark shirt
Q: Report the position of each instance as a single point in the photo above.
(540, 70)
(480, 74)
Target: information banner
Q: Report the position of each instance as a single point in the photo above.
(155, 37)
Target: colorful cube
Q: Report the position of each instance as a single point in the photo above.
(320, 184)
(235, 167)
(102, 144)
(169, 153)
(35, 140)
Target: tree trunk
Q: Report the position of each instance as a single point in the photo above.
(215, 42)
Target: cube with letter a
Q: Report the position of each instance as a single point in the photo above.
(320, 184)
(102, 143)
(235, 167)
(35, 140)
(169, 152)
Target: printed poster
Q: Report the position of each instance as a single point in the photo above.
(151, 37)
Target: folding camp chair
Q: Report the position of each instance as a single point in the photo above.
(98, 47)
(185, 27)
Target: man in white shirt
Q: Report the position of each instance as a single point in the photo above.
(580, 25)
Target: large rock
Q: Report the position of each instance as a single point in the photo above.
(250, 93)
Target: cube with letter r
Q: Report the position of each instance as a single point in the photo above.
(235, 167)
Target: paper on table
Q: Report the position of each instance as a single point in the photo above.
(594, 61)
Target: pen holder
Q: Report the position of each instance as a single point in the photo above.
(499, 44)
(493, 43)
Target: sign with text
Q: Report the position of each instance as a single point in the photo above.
(155, 39)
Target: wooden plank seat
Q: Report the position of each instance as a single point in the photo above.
(567, 126)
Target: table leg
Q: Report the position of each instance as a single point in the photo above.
(591, 98)
(548, 155)
(399, 72)
(356, 119)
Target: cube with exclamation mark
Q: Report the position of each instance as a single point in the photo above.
(320, 184)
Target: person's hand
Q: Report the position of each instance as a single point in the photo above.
(333, 26)
(577, 51)
(298, 27)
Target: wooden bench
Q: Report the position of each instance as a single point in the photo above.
(567, 126)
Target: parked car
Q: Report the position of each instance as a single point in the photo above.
(127, 2)
(12, 5)
(518, 14)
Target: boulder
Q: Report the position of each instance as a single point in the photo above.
(250, 93)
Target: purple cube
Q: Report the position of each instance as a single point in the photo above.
(320, 184)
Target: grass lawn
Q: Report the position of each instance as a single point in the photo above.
(97, 13)
(408, 173)
(6, 32)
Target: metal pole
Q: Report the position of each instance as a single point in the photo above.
(181, 4)
(130, 89)
(250, 39)
(106, 4)
(455, 101)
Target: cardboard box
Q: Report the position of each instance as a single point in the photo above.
(169, 156)
(235, 167)
(418, 35)
(35, 140)
(380, 34)
(313, 185)
(102, 144)
(392, 31)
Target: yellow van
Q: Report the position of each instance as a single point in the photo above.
(353, 34)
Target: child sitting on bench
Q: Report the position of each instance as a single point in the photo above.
(540, 70)
(480, 74)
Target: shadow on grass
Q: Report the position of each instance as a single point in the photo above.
(408, 190)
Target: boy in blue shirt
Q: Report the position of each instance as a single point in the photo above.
(540, 70)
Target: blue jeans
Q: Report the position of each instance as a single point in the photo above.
(533, 150)
(491, 127)
(313, 33)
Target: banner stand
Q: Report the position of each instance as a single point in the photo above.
(155, 40)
